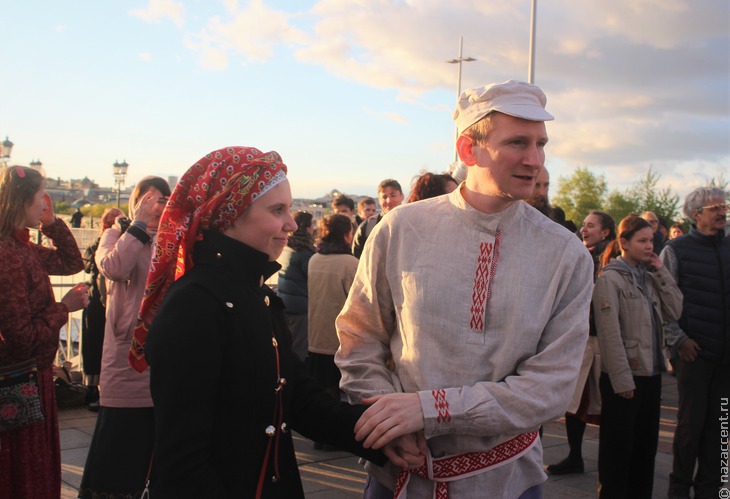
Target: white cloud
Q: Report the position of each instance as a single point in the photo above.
(157, 10)
(632, 83)
(253, 32)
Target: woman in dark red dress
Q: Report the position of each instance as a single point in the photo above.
(30, 322)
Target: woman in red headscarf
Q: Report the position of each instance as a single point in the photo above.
(227, 387)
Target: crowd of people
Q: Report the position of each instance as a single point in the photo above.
(432, 338)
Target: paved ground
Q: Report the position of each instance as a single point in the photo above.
(334, 475)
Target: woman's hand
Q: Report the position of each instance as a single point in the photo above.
(655, 262)
(627, 395)
(47, 216)
(77, 297)
(150, 207)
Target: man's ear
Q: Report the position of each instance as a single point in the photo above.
(465, 148)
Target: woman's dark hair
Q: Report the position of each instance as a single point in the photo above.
(607, 222)
(303, 220)
(430, 185)
(301, 238)
(627, 228)
(334, 228)
(18, 187)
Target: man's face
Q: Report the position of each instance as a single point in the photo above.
(539, 198)
(367, 211)
(509, 160)
(343, 209)
(653, 220)
(712, 218)
(390, 198)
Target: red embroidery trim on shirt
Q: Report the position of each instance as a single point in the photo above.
(441, 405)
(483, 277)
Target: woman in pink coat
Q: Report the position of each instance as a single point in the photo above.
(121, 448)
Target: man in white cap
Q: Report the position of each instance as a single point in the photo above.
(449, 331)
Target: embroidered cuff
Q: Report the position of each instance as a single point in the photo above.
(438, 411)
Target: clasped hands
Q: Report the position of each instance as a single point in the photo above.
(394, 423)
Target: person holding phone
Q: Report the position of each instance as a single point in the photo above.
(121, 448)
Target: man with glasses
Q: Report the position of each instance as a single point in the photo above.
(700, 263)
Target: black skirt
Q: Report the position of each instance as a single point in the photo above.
(119, 455)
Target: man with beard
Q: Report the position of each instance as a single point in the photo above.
(539, 199)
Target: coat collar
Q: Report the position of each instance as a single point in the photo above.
(217, 249)
(711, 240)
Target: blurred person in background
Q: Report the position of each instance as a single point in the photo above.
(292, 285)
(598, 230)
(675, 231)
(121, 448)
(93, 318)
(430, 185)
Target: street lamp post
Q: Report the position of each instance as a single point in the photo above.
(120, 173)
(458, 82)
(531, 62)
(5, 149)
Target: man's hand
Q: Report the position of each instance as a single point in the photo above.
(627, 395)
(408, 451)
(688, 350)
(389, 416)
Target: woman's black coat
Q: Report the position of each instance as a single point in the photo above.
(213, 375)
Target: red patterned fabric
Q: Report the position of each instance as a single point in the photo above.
(447, 469)
(483, 277)
(210, 195)
(441, 405)
(30, 321)
(30, 317)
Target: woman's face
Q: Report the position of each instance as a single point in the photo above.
(640, 247)
(34, 209)
(675, 232)
(592, 232)
(266, 223)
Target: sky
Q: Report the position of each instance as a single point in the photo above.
(353, 92)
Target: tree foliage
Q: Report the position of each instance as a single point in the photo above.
(580, 193)
(584, 191)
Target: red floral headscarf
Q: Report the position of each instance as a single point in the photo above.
(211, 195)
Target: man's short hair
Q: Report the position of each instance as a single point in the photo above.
(389, 182)
(480, 130)
(702, 196)
(364, 201)
(341, 200)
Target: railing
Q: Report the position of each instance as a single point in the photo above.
(69, 349)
